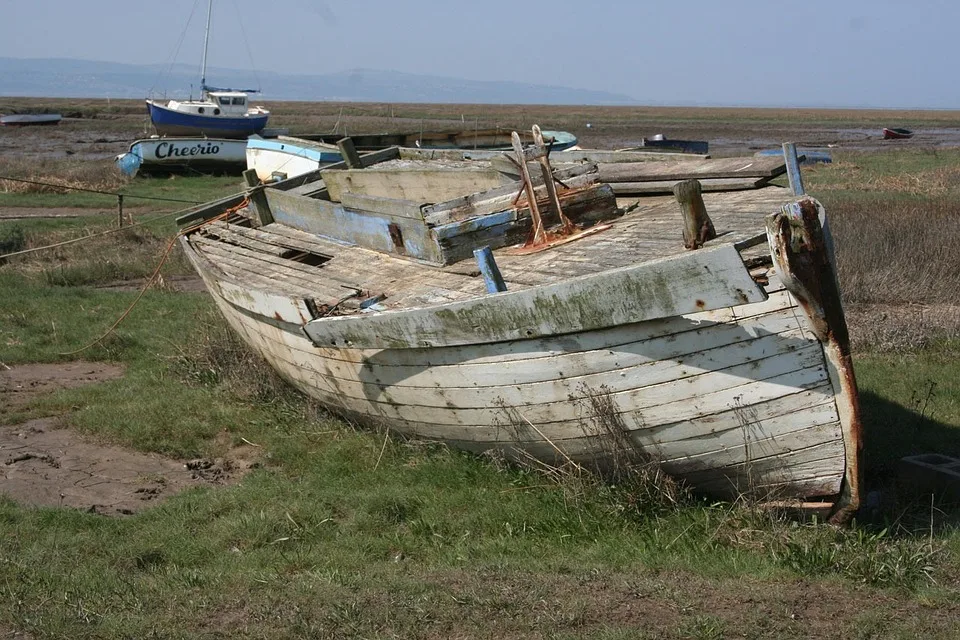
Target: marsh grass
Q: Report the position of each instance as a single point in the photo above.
(896, 220)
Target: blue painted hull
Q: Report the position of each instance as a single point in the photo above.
(175, 123)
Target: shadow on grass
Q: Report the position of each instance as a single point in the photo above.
(891, 432)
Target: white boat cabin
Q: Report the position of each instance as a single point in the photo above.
(217, 103)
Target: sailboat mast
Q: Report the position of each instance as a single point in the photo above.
(206, 41)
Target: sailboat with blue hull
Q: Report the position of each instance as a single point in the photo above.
(221, 113)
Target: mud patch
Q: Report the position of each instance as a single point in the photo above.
(44, 464)
(20, 384)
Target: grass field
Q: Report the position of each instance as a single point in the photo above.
(342, 532)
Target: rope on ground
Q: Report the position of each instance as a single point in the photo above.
(156, 272)
(104, 193)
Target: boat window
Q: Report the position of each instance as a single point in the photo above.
(216, 112)
(223, 101)
(239, 101)
(200, 110)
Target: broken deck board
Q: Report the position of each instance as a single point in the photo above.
(759, 167)
(707, 184)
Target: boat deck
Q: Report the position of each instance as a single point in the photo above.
(279, 258)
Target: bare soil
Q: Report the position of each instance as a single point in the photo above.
(44, 463)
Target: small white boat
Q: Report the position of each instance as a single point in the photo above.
(180, 155)
(29, 119)
(286, 157)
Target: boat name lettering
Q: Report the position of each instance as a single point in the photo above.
(171, 150)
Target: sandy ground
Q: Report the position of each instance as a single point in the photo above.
(43, 463)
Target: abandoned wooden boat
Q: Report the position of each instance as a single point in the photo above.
(600, 341)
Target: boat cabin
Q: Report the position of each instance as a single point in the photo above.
(214, 103)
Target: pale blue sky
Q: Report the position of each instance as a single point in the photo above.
(854, 53)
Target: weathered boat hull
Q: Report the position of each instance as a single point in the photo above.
(740, 397)
(30, 119)
(897, 134)
(287, 157)
(179, 155)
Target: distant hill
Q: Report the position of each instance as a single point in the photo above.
(67, 78)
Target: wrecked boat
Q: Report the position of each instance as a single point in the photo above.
(548, 320)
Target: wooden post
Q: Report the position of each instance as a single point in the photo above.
(548, 180)
(349, 153)
(258, 199)
(489, 270)
(697, 226)
(119, 210)
(793, 168)
(539, 233)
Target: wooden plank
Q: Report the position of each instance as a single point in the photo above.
(267, 304)
(210, 210)
(493, 200)
(568, 155)
(398, 236)
(765, 167)
(394, 207)
(707, 279)
(707, 184)
(419, 184)
(368, 160)
(625, 155)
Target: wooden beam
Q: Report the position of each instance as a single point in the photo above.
(793, 168)
(489, 270)
(349, 153)
(697, 226)
(681, 284)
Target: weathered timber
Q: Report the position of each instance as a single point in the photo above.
(367, 159)
(210, 210)
(258, 202)
(697, 226)
(426, 184)
(390, 234)
(349, 153)
(492, 200)
(706, 184)
(676, 285)
(793, 168)
(394, 207)
(489, 270)
(759, 167)
(800, 248)
(594, 156)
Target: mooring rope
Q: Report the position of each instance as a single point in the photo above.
(94, 235)
(156, 273)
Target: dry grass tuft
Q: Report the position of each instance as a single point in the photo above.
(58, 175)
(898, 263)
